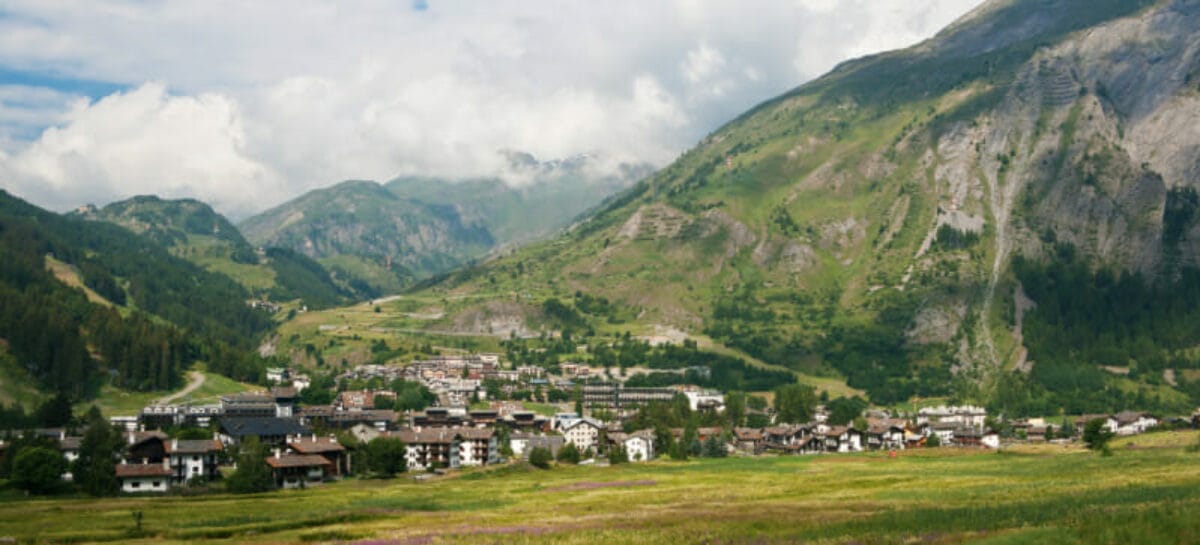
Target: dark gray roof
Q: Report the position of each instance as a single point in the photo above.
(268, 426)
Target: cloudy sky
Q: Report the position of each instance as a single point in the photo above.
(247, 104)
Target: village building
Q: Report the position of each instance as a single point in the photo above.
(1133, 423)
(584, 433)
(270, 431)
(144, 477)
(748, 440)
(521, 443)
(1110, 423)
(193, 459)
(431, 448)
(638, 446)
(966, 415)
(325, 447)
(478, 447)
(292, 470)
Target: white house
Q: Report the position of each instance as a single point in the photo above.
(639, 446)
(189, 459)
(1133, 423)
(478, 447)
(431, 448)
(705, 399)
(583, 433)
(990, 440)
(144, 477)
(967, 415)
(1110, 423)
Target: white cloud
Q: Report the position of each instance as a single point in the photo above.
(261, 101)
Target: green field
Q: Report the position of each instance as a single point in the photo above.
(117, 402)
(1145, 493)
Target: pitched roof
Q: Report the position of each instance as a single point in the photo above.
(297, 460)
(69, 443)
(268, 426)
(142, 470)
(476, 433)
(428, 436)
(747, 434)
(193, 446)
(307, 445)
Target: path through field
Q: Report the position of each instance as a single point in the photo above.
(196, 382)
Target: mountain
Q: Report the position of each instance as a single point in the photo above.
(192, 230)
(85, 303)
(385, 235)
(1005, 213)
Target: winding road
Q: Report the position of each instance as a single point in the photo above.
(197, 381)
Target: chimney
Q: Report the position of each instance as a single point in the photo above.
(314, 437)
(145, 461)
(166, 462)
(174, 445)
(276, 453)
(131, 437)
(62, 434)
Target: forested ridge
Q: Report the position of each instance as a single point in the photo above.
(176, 312)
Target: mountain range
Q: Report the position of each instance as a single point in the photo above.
(1006, 213)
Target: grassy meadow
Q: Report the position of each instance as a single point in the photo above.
(1147, 492)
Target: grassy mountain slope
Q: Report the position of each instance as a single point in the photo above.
(147, 315)
(192, 230)
(376, 234)
(865, 224)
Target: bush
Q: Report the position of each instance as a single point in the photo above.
(1096, 436)
(569, 454)
(617, 455)
(934, 440)
(540, 457)
(38, 470)
(253, 474)
(386, 456)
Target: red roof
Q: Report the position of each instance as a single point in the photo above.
(297, 460)
(142, 470)
(321, 444)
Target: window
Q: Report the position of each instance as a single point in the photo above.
(195, 458)
(135, 484)
(157, 484)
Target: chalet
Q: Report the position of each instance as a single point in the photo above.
(298, 470)
(1133, 423)
(784, 435)
(69, 447)
(1110, 423)
(748, 440)
(146, 445)
(521, 443)
(974, 437)
(478, 447)
(809, 444)
(431, 448)
(193, 458)
(1039, 434)
(843, 439)
(269, 430)
(325, 447)
(944, 431)
(884, 434)
(639, 445)
(144, 477)
(584, 433)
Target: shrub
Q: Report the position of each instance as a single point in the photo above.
(569, 454)
(540, 457)
(38, 470)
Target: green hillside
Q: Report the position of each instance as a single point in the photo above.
(379, 237)
(145, 317)
(865, 225)
(192, 230)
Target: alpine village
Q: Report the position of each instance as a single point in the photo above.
(942, 294)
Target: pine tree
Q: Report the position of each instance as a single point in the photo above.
(95, 469)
